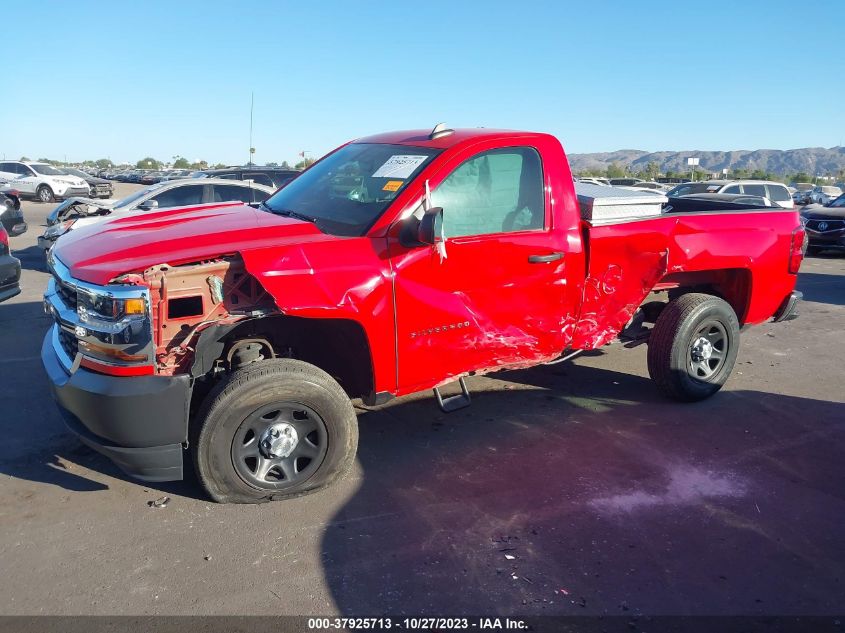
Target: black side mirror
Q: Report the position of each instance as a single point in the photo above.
(426, 230)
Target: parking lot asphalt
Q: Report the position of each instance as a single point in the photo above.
(569, 489)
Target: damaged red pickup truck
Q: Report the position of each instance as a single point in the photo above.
(396, 263)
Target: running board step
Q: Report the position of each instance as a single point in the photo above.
(453, 403)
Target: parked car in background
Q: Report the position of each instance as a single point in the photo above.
(825, 226)
(774, 191)
(10, 269)
(270, 176)
(595, 181)
(152, 177)
(79, 212)
(732, 198)
(42, 181)
(824, 194)
(650, 185)
(625, 182)
(100, 187)
(800, 197)
(177, 174)
(11, 214)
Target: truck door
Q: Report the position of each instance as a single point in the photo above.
(499, 295)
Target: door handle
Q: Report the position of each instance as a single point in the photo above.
(544, 259)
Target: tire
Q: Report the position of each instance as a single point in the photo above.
(261, 399)
(681, 365)
(44, 194)
(814, 250)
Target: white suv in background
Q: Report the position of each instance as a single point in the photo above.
(824, 194)
(774, 191)
(42, 181)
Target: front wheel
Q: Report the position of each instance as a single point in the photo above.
(693, 347)
(274, 429)
(45, 194)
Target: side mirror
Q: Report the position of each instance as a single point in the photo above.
(426, 230)
(148, 205)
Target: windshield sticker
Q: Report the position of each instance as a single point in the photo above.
(712, 187)
(392, 185)
(399, 166)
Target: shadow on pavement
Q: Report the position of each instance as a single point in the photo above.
(822, 288)
(32, 258)
(581, 491)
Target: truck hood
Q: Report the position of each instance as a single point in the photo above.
(100, 252)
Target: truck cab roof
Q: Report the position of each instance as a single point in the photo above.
(422, 138)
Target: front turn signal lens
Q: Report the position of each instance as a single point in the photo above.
(134, 306)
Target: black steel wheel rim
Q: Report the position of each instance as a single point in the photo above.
(708, 350)
(267, 461)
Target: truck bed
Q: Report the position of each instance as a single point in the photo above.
(742, 254)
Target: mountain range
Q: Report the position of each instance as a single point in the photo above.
(811, 160)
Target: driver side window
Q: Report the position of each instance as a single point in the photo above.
(500, 191)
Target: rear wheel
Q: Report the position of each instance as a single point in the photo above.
(693, 347)
(275, 429)
(44, 193)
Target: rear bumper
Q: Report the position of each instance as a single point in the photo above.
(788, 310)
(140, 422)
(10, 276)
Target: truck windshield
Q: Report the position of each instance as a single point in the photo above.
(348, 190)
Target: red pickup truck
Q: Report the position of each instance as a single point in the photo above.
(397, 263)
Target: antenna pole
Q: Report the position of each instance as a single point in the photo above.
(251, 107)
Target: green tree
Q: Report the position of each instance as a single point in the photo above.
(284, 165)
(23, 158)
(148, 163)
(305, 162)
(615, 170)
(651, 171)
(104, 163)
(181, 163)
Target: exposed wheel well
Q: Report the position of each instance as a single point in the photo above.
(733, 285)
(337, 346)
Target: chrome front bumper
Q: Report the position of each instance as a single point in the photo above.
(74, 327)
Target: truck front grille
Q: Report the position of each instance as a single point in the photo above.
(68, 294)
(69, 343)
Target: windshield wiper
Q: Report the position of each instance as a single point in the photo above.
(290, 213)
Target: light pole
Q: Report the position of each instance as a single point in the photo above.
(692, 162)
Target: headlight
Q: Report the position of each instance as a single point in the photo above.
(96, 307)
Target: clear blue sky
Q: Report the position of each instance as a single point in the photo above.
(130, 79)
